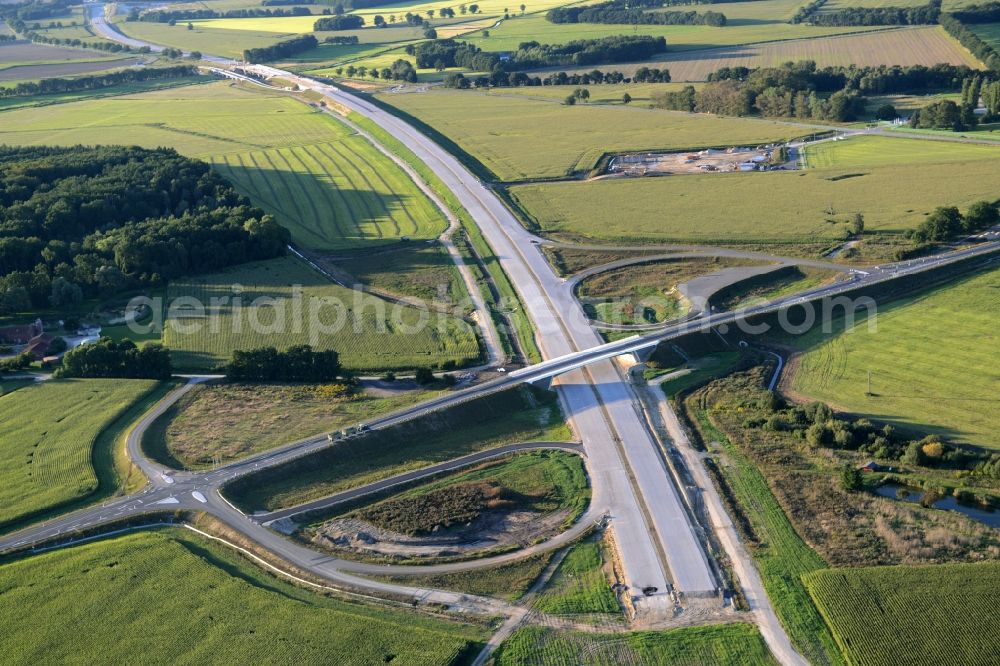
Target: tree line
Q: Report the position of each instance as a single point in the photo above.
(118, 360)
(285, 3)
(444, 53)
(627, 13)
(947, 223)
(971, 41)
(97, 81)
(878, 80)
(922, 15)
(519, 79)
(78, 222)
(297, 364)
(401, 70)
(174, 15)
(286, 49)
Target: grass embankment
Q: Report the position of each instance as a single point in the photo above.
(9, 103)
(507, 581)
(505, 306)
(739, 208)
(697, 371)
(717, 645)
(231, 421)
(368, 332)
(645, 293)
(874, 151)
(541, 482)
(173, 597)
(767, 287)
(942, 614)
(519, 138)
(933, 360)
(523, 414)
(49, 458)
(579, 585)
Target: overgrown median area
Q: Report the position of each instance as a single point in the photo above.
(520, 415)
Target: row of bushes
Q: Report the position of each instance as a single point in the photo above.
(923, 15)
(97, 81)
(520, 79)
(971, 41)
(173, 15)
(298, 364)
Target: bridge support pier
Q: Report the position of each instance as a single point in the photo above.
(545, 383)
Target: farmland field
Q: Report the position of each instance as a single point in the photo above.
(20, 53)
(328, 185)
(47, 442)
(679, 37)
(13, 73)
(234, 420)
(173, 597)
(518, 138)
(519, 415)
(940, 614)
(335, 195)
(227, 43)
(368, 332)
(579, 584)
(927, 45)
(780, 206)
(714, 645)
(871, 151)
(933, 359)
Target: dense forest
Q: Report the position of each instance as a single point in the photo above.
(922, 15)
(342, 22)
(285, 49)
(120, 360)
(78, 222)
(296, 364)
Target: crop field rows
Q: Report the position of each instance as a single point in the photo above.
(48, 437)
(172, 597)
(335, 195)
(927, 45)
(940, 614)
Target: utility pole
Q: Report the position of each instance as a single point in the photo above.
(869, 383)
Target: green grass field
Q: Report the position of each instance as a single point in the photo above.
(714, 645)
(933, 359)
(236, 420)
(368, 332)
(335, 195)
(517, 137)
(515, 416)
(328, 185)
(9, 103)
(47, 441)
(579, 584)
(782, 557)
(173, 597)
(204, 38)
(767, 287)
(679, 37)
(941, 614)
(779, 206)
(876, 151)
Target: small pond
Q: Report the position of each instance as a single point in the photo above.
(949, 503)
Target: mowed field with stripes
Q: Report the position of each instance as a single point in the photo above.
(327, 184)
